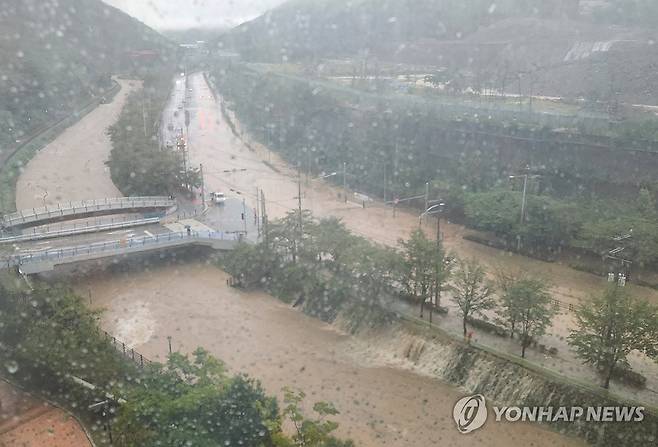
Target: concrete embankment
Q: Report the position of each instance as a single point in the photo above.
(503, 381)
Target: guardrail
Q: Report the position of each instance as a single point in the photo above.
(79, 230)
(112, 248)
(72, 209)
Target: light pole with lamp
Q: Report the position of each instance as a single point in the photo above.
(299, 192)
(523, 202)
(322, 177)
(435, 209)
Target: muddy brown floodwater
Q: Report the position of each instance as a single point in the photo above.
(257, 334)
(252, 332)
(231, 165)
(72, 167)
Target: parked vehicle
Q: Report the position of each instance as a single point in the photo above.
(218, 197)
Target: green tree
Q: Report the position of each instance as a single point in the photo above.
(51, 331)
(194, 402)
(505, 280)
(333, 239)
(472, 292)
(293, 236)
(425, 268)
(610, 326)
(311, 432)
(528, 306)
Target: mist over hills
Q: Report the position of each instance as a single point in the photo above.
(60, 53)
(567, 48)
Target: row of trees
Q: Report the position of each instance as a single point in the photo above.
(392, 147)
(525, 307)
(138, 165)
(331, 271)
(48, 336)
(609, 326)
(551, 225)
(320, 264)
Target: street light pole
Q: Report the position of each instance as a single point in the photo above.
(427, 194)
(525, 189)
(435, 209)
(438, 230)
(523, 204)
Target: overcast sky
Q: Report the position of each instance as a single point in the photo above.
(176, 14)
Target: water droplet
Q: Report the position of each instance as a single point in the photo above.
(11, 366)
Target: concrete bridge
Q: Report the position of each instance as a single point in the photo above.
(83, 209)
(78, 230)
(46, 260)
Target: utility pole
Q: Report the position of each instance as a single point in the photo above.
(345, 181)
(385, 184)
(257, 211)
(244, 215)
(144, 111)
(299, 201)
(263, 212)
(427, 194)
(203, 188)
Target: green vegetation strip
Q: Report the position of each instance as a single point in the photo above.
(329, 273)
(575, 201)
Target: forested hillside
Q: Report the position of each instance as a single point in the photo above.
(57, 54)
(557, 48)
(392, 146)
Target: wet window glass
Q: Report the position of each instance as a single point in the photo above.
(328, 223)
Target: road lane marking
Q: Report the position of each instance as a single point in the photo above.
(119, 232)
(149, 234)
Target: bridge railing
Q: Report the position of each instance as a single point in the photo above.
(76, 230)
(122, 245)
(84, 207)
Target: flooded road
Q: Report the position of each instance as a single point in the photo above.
(257, 334)
(251, 165)
(253, 332)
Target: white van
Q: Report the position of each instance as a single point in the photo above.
(218, 197)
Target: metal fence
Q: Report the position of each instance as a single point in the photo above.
(126, 351)
(120, 246)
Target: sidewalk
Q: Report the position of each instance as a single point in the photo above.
(29, 422)
(565, 362)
